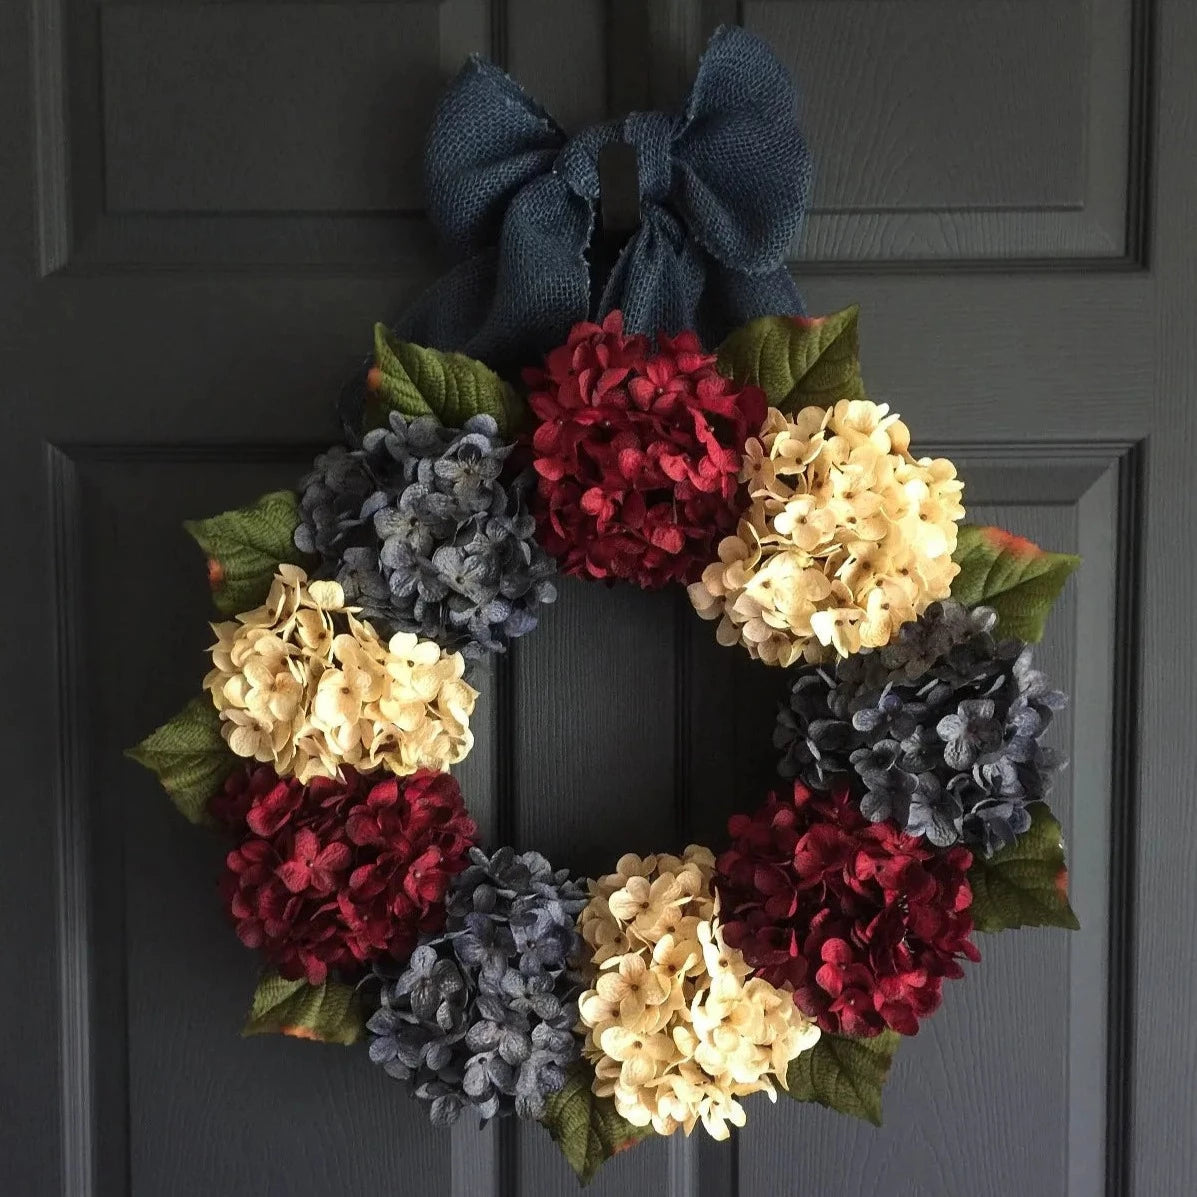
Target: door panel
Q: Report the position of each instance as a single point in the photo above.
(965, 130)
(201, 136)
(175, 137)
(209, 205)
(631, 727)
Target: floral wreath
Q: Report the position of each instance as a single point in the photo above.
(909, 811)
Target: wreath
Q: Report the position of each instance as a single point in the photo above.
(529, 420)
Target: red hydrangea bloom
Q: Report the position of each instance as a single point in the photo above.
(638, 454)
(863, 921)
(334, 874)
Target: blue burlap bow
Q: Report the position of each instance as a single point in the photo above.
(723, 191)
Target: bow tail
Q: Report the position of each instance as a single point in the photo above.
(658, 278)
(666, 282)
(448, 312)
(510, 303)
(731, 298)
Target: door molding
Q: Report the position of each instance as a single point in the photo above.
(1103, 479)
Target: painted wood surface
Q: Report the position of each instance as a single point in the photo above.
(205, 206)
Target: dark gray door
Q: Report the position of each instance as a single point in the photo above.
(203, 207)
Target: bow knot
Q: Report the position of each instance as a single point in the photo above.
(723, 189)
(577, 164)
(651, 135)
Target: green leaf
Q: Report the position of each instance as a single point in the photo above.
(844, 1073)
(331, 1013)
(587, 1128)
(245, 548)
(1015, 577)
(428, 382)
(1026, 884)
(798, 361)
(189, 756)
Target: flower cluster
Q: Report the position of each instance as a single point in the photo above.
(847, 536)
(863, 921)
(483, 1016)
(638, 454)
(303, 685)
(676, 1029)
(332, 875)
(940, 730)
(425, 535)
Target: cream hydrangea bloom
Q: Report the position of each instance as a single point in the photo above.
(846, 537)
(302, 684)
(676, 1029)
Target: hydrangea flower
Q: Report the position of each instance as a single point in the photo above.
(426, 535)
(861, 920)
(847, 537)
(637, 453)
(940, 730)
(330, 876)
(483, 1015)
(302, 684)
(676, 1028)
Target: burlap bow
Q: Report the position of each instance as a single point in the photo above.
(723, 191)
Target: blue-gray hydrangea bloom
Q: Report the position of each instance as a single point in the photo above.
(940, 730)
(483, 1015)
(423, 531)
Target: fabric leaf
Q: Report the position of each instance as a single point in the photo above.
(798, 361)
(330, 1013)
(429, 382)
(844, 1073)
(189, 756)
(1026, 884)
(1014, 576)
(245, 548)
(587, 1128)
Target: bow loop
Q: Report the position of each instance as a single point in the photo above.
(744, 173)
(489, 139)
(723, 189)
(577, 163)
